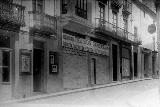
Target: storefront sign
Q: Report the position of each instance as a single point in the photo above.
(73, 42)
(152, 28)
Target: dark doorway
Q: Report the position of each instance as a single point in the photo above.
(114, 57)
(37, 69)
(93, 71)
(135, 65)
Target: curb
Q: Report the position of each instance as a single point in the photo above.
(70, 91)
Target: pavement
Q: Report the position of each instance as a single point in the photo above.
(134, 94)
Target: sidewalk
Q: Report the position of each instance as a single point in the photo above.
(71, 91)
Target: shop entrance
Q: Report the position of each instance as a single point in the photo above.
(93, 71)
(114, 58)
(38, 66)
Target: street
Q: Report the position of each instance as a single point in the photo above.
(138, 94)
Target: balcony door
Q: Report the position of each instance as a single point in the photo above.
(102, 14)
(115, 19)
(38, 5)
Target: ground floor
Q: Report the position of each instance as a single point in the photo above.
(37, 64)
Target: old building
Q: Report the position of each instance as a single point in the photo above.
(58, 45)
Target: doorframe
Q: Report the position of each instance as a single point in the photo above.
(44, 76)
(94, 78)
(118, 62)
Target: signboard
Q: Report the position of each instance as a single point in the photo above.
(152, 28)
(69, 41)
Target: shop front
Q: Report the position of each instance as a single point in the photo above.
(85, 62)
(6, 65)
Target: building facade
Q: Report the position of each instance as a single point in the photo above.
(62, 45)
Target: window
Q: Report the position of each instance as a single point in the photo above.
(125, 24)
(114, 20)
(7, 1)
(38, 6)
(81, 8)
(5, 67)
(125, 20)
(4, 59)
(64, 7)
(101, 11)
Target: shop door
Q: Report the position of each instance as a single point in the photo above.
(93, 71)
(135, 65)
(114, 57)
(37, 70)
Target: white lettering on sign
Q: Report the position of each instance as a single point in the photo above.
(73, 42)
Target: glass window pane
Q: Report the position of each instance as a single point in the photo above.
(5, 66)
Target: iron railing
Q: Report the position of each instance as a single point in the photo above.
(116, 31)
(127, 6)
(12, 13)
(116, 2)
(43, 21)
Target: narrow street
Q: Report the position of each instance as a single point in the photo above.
(137, 94)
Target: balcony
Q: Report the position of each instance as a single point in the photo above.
(102, 26)
(11, 15)
(127, 7)
(42, 23)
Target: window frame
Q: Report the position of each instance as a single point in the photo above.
(81, 8)
(36, 4)
(64, 4)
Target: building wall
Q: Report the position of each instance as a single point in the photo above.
(109, 15)
(75, 71)
(142, 19)
(102, 69)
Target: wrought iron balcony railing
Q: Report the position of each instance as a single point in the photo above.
(102, 25)
(12, 13)
(116, 2)
(43, 23)
(127, 6)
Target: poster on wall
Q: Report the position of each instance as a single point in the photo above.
(125, 67)
(52, 63)
(25, 61)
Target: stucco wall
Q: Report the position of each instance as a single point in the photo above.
(75, 71)
(141, 20)
(102, 69)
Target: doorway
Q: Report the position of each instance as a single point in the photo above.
(38, 68)
(114, 58)
(93, 71)
(135, 65)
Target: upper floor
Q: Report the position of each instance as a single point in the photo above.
(127, 20)
(11, 15)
